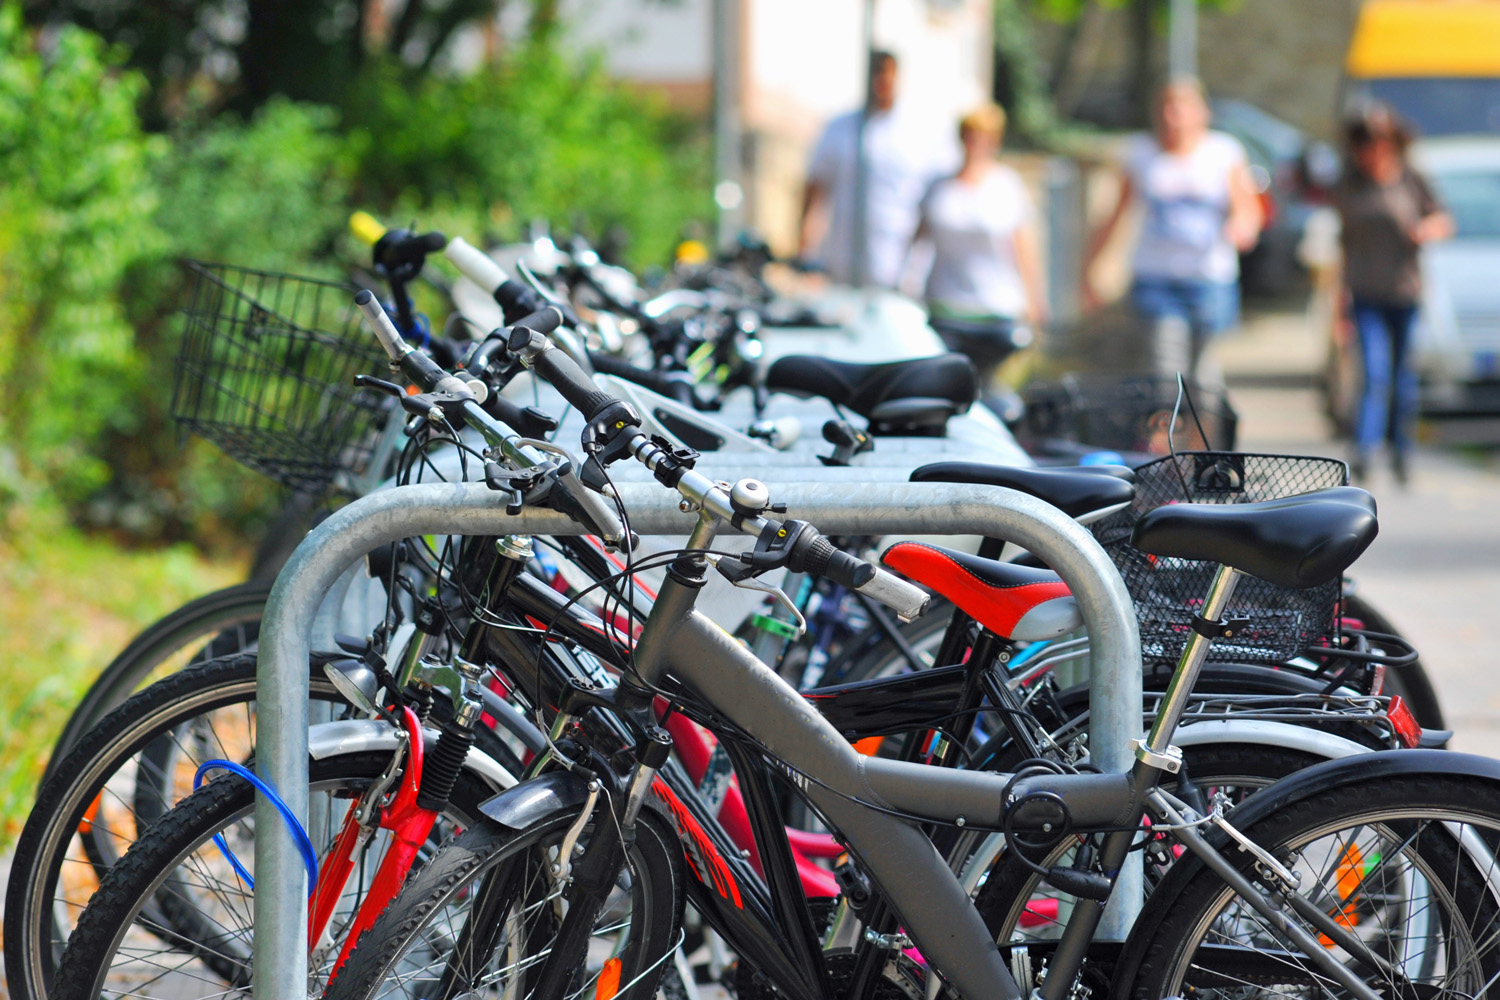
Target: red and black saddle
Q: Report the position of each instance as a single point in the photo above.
(1017, 602)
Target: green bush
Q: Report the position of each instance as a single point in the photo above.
(95, 214)
(75, 202)
(536, 136)
(270, 193)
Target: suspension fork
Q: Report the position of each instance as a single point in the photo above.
(410, 825)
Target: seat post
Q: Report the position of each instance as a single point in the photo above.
(1174, 702)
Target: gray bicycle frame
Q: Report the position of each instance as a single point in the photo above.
(847, 507)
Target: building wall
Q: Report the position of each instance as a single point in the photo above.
(1285, 56)
(804, 63)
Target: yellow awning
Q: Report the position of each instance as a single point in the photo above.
(1426, 38)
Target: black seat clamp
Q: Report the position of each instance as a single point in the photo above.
(1226, 629)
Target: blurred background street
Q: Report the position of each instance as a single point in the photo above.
(1433, 570)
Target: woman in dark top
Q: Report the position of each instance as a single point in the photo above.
(1387, 212)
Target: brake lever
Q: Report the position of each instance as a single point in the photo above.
(736, 572)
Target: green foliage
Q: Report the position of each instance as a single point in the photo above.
(95, 213)
(533, 137)
(77, 187)
(1067, 11)
(268, 194)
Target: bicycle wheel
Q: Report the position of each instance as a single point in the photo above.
(173, 919)
(132, 768)
(483, 913)
(140, 758)
(1405, 864)
(218, 624)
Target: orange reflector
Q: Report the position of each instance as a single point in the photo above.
(869, 746)
(609, 981)
(90, 814)
(1349, 873)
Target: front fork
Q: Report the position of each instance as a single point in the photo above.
(592, 877)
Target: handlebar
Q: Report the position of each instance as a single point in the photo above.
(673, 385)
(517, 302)
(576, 500)
(809, 552)
(530, 343)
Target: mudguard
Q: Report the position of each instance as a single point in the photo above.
(1358, 768)
(535, 800)
(359, 735)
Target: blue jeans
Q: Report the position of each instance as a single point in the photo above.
(1385, 336)
(1182, 315)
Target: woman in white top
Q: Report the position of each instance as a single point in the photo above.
(986, 275)
(1200, 212)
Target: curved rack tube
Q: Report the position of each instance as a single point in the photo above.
(472, 509)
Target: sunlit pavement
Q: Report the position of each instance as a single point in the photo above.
(1435, 569)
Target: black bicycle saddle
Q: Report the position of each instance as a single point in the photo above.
(1075, 491)
(1297, 542)
(914, 393)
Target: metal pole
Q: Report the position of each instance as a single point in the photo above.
(472, 509)
(860, 230)
(1182, 41)
(729, 190)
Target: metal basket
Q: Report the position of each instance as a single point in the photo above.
(1168, 592)
(264, 371)
(1128, 413)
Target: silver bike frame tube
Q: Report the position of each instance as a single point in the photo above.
(472, 509)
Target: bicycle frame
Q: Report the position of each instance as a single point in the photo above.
(471, 509)
(862, 795)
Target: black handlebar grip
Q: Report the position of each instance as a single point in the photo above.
(673, 385)
(544, 320)
(820, 558)
(517, 300)
(561, 371)
(527, 421)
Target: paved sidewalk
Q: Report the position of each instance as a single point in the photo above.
(1435, 569)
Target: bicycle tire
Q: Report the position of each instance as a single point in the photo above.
(147, 882)
(52, 851)
(227, 620)
(51, 844)
(503, 863)
(1420, 820)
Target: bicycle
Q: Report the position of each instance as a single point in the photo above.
(876, 804)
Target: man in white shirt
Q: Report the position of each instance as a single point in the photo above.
(903, 155)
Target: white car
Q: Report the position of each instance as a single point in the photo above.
(1459, 328)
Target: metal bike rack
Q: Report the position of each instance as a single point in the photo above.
(831, 503)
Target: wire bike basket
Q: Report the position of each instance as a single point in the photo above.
(264, 372)
(1129, 413)
(1168, 592)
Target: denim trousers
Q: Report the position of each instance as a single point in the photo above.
(1182, 315)
(1388, 404)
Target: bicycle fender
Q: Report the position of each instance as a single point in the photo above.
(329, 739)
(1264, 732)
(536, 800)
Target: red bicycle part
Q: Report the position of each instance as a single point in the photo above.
(410, 826)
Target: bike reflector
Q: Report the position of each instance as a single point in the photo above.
(1404, 723)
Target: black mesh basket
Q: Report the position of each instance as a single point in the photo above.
(264, 372)
(1128, 413)
(1168, 592)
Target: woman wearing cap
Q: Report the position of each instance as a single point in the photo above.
(986, 275)
(1386, 212)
